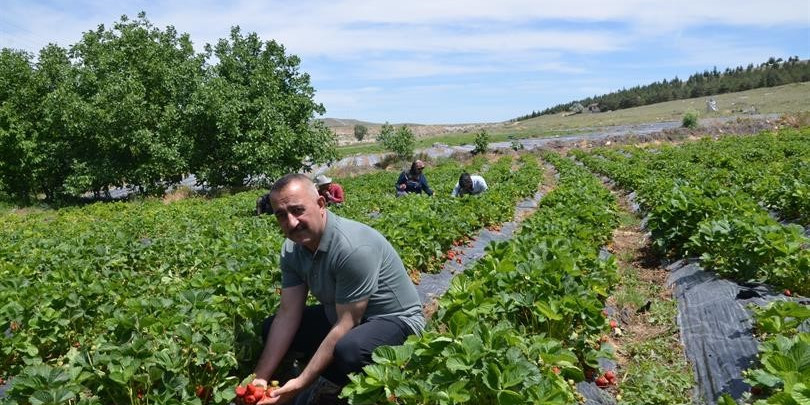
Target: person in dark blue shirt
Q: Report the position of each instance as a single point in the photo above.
(413, 180)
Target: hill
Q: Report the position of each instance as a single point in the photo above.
(789, 98)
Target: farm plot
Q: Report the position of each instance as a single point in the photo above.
(711, 199)
(524, 323)
(153, 303)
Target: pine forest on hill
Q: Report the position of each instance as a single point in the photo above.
(774, 72)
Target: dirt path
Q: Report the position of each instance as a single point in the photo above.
(651, 363)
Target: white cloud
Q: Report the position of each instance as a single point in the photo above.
(389, 57)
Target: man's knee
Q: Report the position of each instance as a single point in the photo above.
(349, 355)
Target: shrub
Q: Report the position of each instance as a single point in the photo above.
(360, 132)
(481, 142)
(401, 141)
(690, 119)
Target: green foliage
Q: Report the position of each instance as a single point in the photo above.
(399, 141)
(782, 372)
(360, 132)
(706, 199)
(481, 142)
(528, 307)
(690, 119)
(253, 113)
(134, 105)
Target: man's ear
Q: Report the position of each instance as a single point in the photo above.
(321, 201)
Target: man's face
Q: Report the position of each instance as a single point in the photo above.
(301, 213)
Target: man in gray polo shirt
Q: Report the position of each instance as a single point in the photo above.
(366, 297)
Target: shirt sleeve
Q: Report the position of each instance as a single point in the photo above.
(455, 190)
(482, 185)
(357, 276)
(337, 193)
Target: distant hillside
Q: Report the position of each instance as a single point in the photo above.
(344, 129)
(341, 122)
(774, 72)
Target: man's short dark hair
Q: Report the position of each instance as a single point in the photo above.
(465, 181)
(285, 181)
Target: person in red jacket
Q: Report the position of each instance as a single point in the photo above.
(332, 192)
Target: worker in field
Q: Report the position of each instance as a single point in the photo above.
(263, 204)
(365, 297)
(332, 192)
(469, 184)
(413, 180)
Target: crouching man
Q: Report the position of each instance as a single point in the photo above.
(366, 298)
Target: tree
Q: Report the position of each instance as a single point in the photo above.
(18, 100)
(253, 115)
(481, 142)
(360, 132)
(401, 141)
(136, 83)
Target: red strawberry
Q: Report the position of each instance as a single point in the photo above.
(250, 399)
(241, 391)
(250, 389)
(610, 375)
(201, 392)
(602, 382)
(787, 292)
(613, 323)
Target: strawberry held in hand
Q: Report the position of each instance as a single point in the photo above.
(251, 394)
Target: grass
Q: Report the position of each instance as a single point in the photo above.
(653, 369)
(790, 98)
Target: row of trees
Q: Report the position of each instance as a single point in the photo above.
(135, 105)
(774, 72)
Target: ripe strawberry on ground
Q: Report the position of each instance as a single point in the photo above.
(601, 382)
(610, 375)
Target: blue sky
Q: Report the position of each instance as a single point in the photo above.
(444, 62)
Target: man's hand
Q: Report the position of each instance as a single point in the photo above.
(283, 394)
(257, 392)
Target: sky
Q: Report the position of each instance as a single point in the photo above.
(453, 62)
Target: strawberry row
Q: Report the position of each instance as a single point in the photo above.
(524, 323)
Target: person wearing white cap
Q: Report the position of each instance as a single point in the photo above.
(331, 192)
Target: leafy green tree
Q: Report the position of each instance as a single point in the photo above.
(360, 132)
(18, 101)
(253, 116)
(136, 83)
(37, 127)
(481, 142)
(401, 141)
